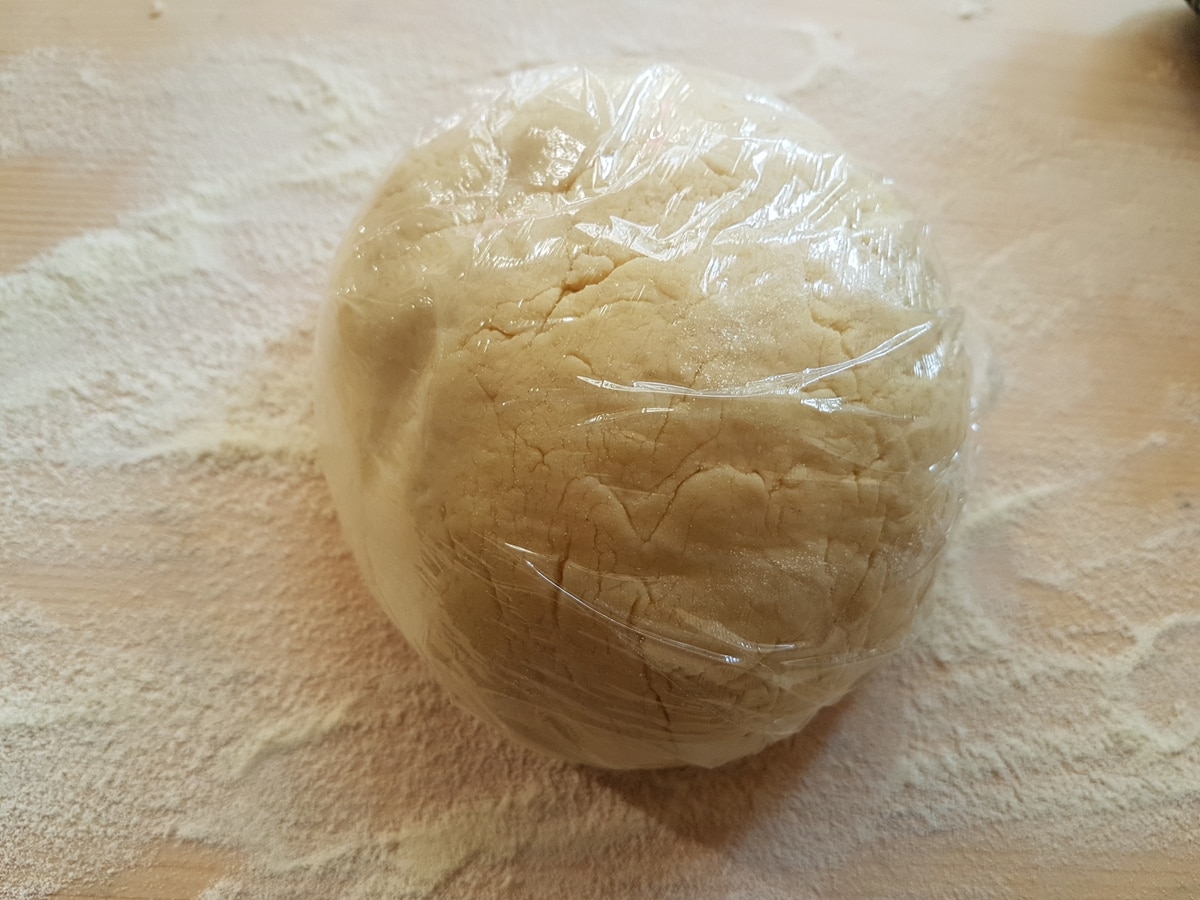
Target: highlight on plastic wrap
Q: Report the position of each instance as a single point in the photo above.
(643, 410)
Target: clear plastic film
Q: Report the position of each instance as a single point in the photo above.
(643, 411)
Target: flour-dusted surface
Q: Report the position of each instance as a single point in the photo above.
(186, 653)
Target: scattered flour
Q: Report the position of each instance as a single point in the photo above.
(186, 653)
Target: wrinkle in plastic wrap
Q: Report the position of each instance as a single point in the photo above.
(643, 410)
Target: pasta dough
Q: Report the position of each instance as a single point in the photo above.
(642, 409)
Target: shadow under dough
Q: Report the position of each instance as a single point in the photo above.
(714, 806)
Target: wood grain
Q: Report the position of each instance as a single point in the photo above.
(175, 871)
(43, 201)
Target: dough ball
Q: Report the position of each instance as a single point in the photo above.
(642, 410)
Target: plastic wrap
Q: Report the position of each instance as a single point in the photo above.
(643, 409)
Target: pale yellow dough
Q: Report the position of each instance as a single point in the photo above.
(642, 414)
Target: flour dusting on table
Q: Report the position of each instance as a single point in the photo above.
(186, 652)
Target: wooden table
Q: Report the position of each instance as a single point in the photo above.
(1118, 82)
